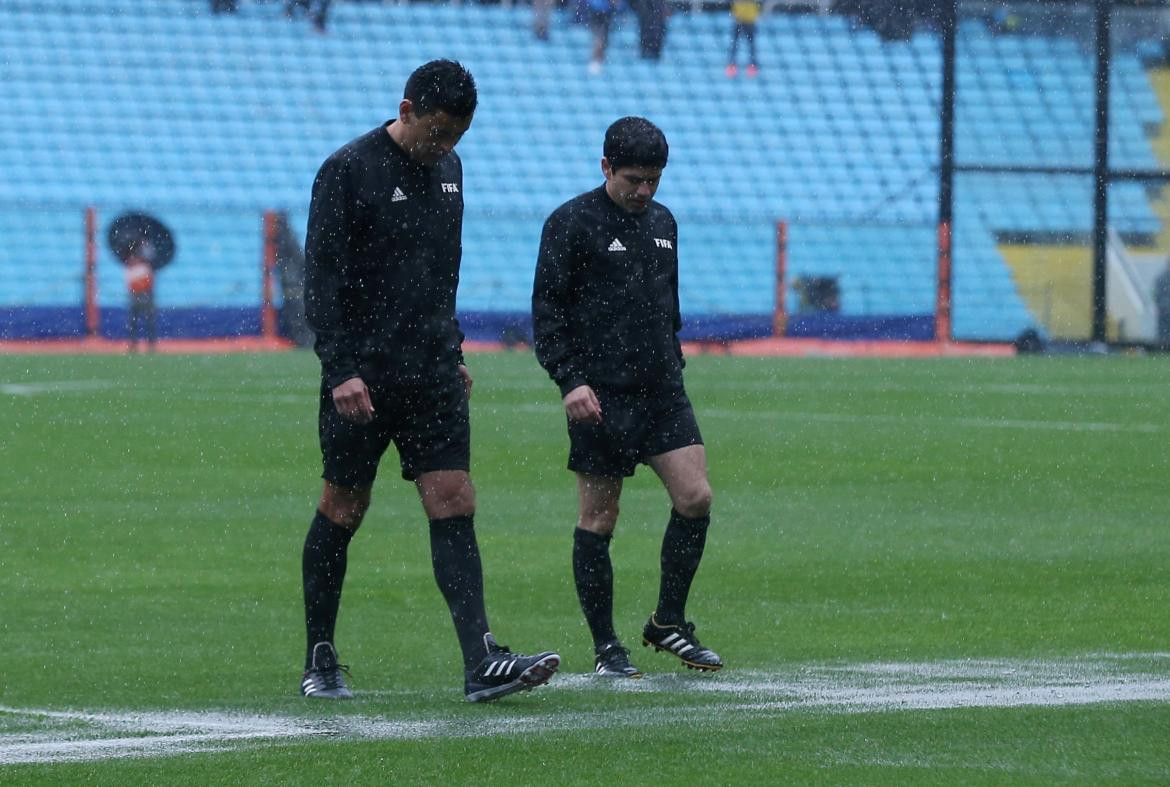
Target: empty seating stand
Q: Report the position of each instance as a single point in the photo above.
(208, 120)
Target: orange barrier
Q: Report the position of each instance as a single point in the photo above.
(98, 346)
(811, 348)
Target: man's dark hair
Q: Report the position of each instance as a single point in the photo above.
(442, 85)
(635, 142)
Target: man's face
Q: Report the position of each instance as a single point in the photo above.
(631, 188)
(427, 138)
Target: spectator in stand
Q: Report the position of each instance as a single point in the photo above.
(601, 14)
(652, 15)
(318, 11)
(140, 285)
(541, 11)
(224, 6)
(745, 13)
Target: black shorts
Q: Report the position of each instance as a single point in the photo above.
(633, 428)
(428, 424)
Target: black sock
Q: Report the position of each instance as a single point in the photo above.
(682, 549)
(593, 573)
(459, 574)
(322, 572)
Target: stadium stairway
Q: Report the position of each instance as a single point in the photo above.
(1055, 281)
(1160, 144)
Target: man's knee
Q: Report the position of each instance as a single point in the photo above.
(457, 500)
(447, 494)
(344, 506)
(694, 501)
(600, 520)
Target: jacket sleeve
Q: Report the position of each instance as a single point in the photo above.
(457, 338)
(455, 333)
(552, 302)
(326, 268)
(677, 318)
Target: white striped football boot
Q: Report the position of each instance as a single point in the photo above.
(682, 642)
(503, 672)
(324, 679)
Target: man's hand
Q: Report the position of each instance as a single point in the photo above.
(581, 404)
(352, 400)
(466, 375)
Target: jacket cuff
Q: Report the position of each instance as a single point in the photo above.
(570, 383)
(337, 378)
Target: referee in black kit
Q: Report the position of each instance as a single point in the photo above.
(382, 268)
(606, 321)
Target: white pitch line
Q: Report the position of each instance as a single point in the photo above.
(52, 387)
(157, 734)
(110, 748)
(930, 387)
(781, 384)
(893, 420)
(717, 412)
(903, 420)
(884, 700)
(1061, 426)
(838, 688)
(260, 398)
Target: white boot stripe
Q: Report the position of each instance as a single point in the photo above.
(669, 639)
(684, 650)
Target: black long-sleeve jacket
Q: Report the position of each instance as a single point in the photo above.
(605, 300)
(382, 264)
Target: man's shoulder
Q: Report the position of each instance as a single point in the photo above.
(570, 209)
(354, 151)
(449, 168)
(659, 213)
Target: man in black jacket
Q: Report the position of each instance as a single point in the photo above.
(382, 268)
(606, 319)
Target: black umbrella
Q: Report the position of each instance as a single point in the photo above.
(144, 233)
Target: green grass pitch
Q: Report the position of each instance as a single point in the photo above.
(944, 571)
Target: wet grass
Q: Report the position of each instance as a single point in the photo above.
(866, 510)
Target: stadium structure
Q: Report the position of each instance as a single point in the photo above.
(975, 174)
